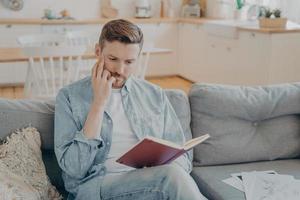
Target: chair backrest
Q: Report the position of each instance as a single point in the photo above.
(41, 40)
(51, 68)
(74, 38)
(143, 60)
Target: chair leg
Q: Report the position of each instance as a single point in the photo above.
(145, 65)
(27, 85)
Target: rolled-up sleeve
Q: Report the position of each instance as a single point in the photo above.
(173, 132)
(74, 152)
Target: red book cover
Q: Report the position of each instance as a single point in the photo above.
(154, 151)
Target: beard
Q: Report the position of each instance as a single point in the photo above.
(120, 81)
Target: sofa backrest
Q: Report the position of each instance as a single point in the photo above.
(17, 114)
(181, 105)
(245, 123)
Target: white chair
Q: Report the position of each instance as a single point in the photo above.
(144, 58)
(51, 68)
(75, 38)
(142, 64)
(41, 40)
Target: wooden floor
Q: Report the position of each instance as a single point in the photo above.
(170, 82)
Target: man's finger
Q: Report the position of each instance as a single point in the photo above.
(105, 74)
(100, 67)
(109, 75)
(112, 80)
(94, 70)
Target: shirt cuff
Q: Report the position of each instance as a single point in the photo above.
(96, 142)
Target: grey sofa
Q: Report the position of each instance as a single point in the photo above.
(251, 128)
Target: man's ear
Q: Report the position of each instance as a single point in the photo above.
(98, 50)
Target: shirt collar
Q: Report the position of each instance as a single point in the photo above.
(128, 85)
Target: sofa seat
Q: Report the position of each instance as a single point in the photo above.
(209, 178)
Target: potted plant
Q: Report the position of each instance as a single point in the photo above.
(271, 18)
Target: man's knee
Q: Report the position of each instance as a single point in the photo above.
(174, 174)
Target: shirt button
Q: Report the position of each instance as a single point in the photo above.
(109, 121)
(99, 145)
(255, 124)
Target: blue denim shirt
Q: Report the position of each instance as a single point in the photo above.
(149, 113)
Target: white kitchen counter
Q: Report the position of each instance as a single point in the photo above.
(244, 25)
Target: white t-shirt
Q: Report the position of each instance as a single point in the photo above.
(122, 136)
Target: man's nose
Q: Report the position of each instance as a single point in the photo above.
(120, 68)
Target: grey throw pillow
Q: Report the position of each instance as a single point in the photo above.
(245, 123)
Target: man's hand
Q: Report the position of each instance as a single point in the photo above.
(102, 82)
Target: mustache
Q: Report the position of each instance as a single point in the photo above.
(116, 75)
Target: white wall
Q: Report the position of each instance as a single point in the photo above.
(80, 9)
(35, 8)
(291, 9)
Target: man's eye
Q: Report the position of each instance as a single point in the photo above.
(113, 59)
(129, 62)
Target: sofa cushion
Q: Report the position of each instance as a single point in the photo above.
(15, 114)
(245, 123)
(209, 178)
(180, 104)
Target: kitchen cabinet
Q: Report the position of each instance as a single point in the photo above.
(212, 59)
(93, 29)
(161, 35)
(191, 50)
(284, 60)
(236, 61)
(10, 33)
(13, 73)
(252, 58)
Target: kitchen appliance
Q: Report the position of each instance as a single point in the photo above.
(221, 9)
(142, 9)
(191, 9)
(107, 10)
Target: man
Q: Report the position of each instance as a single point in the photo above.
(99, 118)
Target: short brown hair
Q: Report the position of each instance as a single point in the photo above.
(123, 31)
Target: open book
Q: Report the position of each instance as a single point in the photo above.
(153, 151)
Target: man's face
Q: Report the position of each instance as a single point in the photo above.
(119, 59)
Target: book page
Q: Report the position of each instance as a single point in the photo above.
(238, 177)
(268, 186)
(193, 142)
(165, 142)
